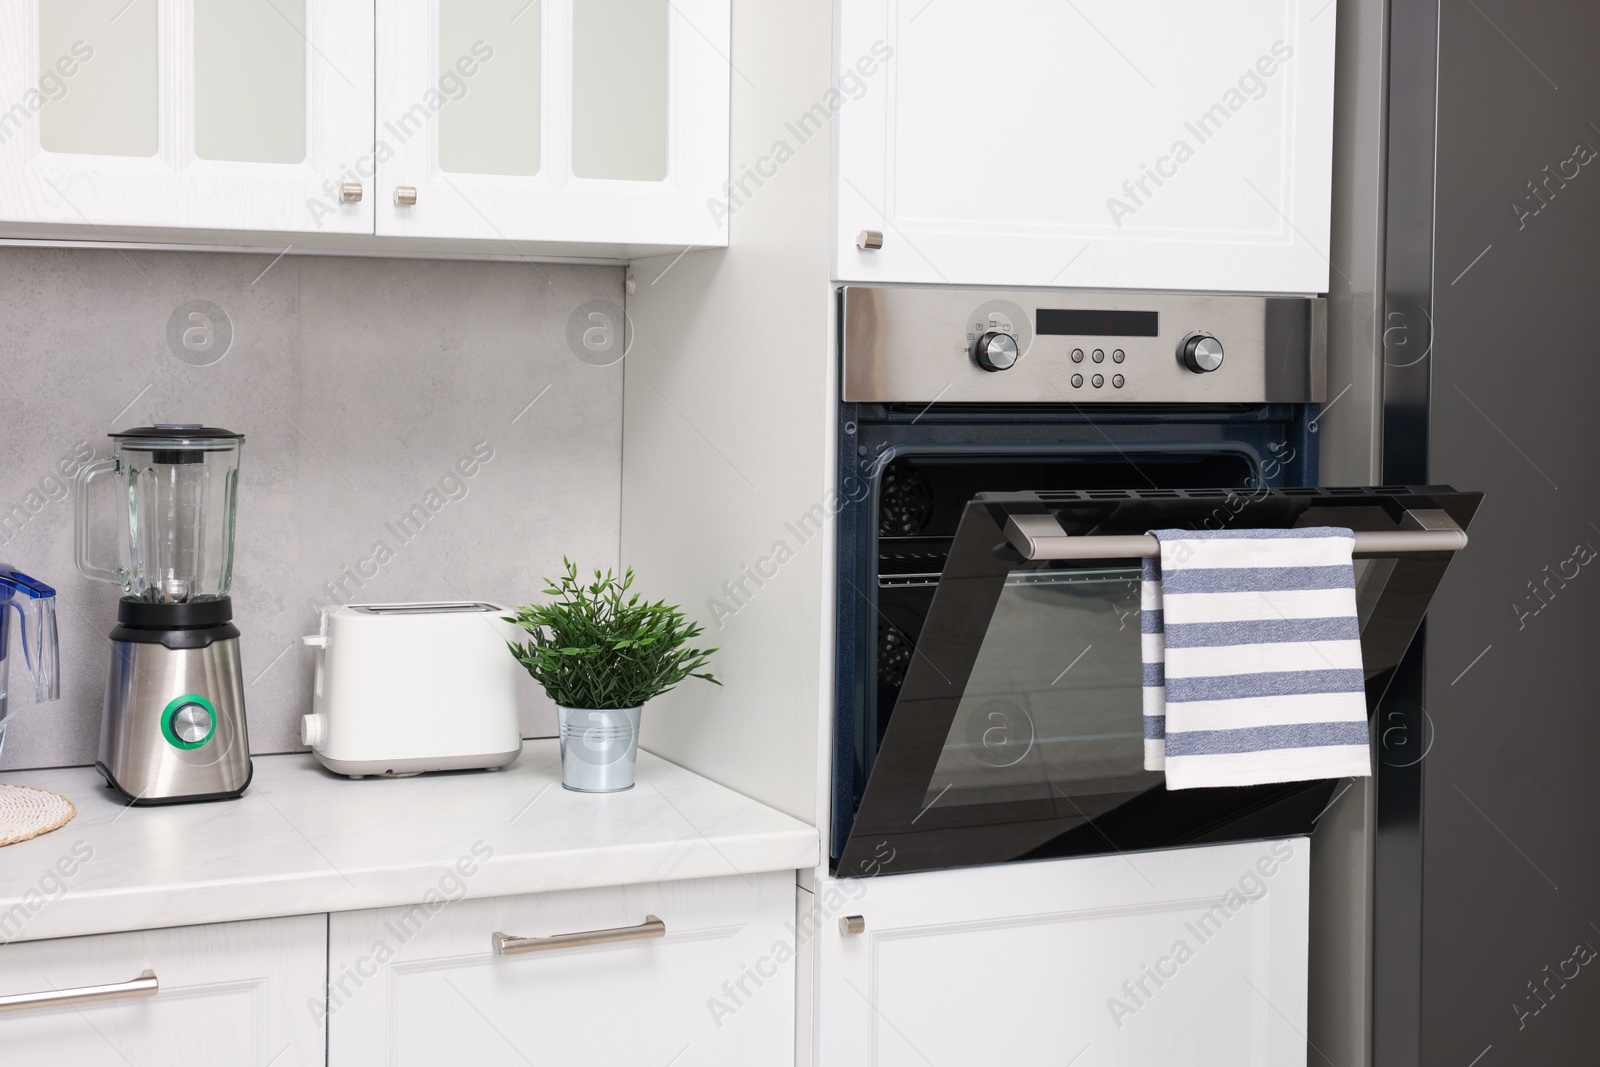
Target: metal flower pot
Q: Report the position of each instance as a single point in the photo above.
(599, 748)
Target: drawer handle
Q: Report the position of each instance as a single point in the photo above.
(143, 986)
(511, 945)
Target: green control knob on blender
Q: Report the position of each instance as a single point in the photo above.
(189, 721)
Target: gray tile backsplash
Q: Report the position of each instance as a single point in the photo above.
(360, 385)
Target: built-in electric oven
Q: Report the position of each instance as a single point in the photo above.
(1003, 456)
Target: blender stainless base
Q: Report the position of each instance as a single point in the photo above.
(173, 729)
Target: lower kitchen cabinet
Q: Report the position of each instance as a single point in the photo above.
(1162, 959)
(692, 974)
(237, 993)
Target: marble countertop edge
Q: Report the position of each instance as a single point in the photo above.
(396, 841)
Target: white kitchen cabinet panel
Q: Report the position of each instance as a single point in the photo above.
(1167, 145)
(420, 986)
(1183, 958)
(186, 114)
(231, 993)
(553, 120)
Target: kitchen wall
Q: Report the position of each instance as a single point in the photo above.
(359, 384)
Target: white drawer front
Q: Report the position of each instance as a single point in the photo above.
(421, 986)
(230, 993)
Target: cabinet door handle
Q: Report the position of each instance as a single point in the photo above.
(869, 240)
(351, 193)
(143, 986)
(405, 195)
(511, 945)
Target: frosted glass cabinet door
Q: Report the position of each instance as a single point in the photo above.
(1175, 144)
(190, 114)
(553, 120)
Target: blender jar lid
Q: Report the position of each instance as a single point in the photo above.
(177, 435)
(182, 443)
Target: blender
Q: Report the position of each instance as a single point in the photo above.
(35, 605)
(173, 728)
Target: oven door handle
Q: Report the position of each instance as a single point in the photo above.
(1040, 537)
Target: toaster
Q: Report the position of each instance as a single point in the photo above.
(405, 688)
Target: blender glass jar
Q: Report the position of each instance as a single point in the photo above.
(179, 489)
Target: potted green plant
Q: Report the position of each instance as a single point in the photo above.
(600, 654)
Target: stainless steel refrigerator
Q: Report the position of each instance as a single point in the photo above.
(1487, 872)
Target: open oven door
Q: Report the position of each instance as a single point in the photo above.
(1018, 731)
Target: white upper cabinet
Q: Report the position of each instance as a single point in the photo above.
(565, 123)
(1167, 145)
(553, 120)
(205, 114)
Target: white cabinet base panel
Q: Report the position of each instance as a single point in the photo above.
(1162, 959)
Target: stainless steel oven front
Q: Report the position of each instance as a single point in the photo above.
(1002, 455)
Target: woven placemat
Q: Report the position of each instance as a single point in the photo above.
(28, 812)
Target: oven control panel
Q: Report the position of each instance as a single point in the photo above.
(928, 345)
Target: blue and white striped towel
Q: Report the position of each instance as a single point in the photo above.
(1252, 658)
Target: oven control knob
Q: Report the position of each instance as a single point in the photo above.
(997, 351)
(1202, 354)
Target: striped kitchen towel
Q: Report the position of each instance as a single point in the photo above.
(1252, 658)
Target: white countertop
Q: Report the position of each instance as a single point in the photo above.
(303, 840)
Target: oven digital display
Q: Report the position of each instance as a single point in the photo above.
(1084, 323)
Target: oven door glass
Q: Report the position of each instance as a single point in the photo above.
(1053, 695)
(1018, 728)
